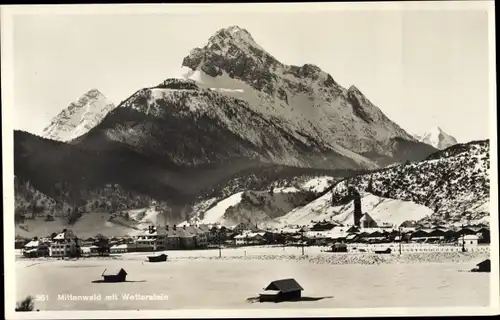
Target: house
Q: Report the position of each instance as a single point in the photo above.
(148, 240)
(484, 266)
(114, 275)
(167, 238)
(470, 240)
(215, 232)
(158, 238)
(367, 221)
(424, 235)
(64, 244)
(339, 247)
(256, 238)
(201, 239)
(323, 226)
(172, 237)
(209, 231)
(484, 235)
(282, 290)
(20, 243)
(89, 251)
(240, 239)
(119, 248)
(373, 235)
(87, 242)
(187, 238)
(408, 224)
(36, 248)
(351, 237)
(243, 226)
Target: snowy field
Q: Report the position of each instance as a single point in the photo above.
(199, 280)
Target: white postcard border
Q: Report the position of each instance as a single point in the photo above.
(7, 144)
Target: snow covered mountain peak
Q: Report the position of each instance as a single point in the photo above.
(79, 117)
(304, 100)
(437, 138)
(234, 33)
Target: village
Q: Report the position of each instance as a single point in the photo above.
(365, 235)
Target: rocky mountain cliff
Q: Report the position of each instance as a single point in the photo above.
(189, 125)
(305, 101)
(79, 117)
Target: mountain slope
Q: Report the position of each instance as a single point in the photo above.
(384, 210)
(437, 138)
(79, 117)
(111, 176)
(449, 186)
(454, 183)
(188, 125)
(260, 204)
(303, 100)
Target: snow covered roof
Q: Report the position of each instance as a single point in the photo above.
(471, 237)
(32, 244)
(120, 246)
(88, 249)
(290, 230)
(64, 235)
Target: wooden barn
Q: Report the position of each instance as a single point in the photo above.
(484, 266)
(159, 258)
(339, 247)
(282, 290)
(114, 275)
(383, 251)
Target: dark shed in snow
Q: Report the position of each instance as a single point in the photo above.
(159, 258)
(282, 290)
(484, 266)
(114, 275)
(339, 247)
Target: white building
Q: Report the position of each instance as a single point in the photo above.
(36, 248)
(119, 248)
(62, 249)
(240, 239)
(89, 251)
(63, 245)
(470, 240)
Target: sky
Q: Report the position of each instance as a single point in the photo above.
(421, 68)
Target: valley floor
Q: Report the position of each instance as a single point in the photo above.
(201, 280)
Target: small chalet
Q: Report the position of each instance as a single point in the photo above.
(89, 251)
(187, 237)
(339, 247)
(484, 266)
(470, 240)
(323, 226)
(368, 222)
(282, 290)
(119, 248)
(36, 248)
(114, 275)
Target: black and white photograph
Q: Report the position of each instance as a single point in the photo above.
(325, 159)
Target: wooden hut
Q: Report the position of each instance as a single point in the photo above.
(339, 247)
(282, 290)
(484, 266)
(159, 258)
(383, 251)
(114, 275)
